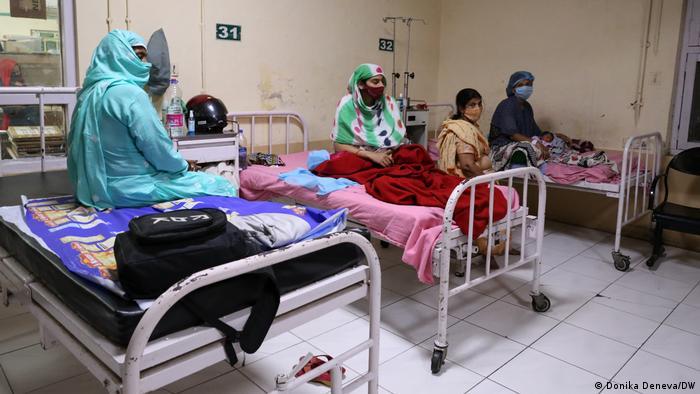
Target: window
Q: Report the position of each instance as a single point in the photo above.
(686, 119)
(37, 51)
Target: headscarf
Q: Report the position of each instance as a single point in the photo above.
(7, 66)
(516, 78)
(379, 126)
(460, 130)
(113, 63)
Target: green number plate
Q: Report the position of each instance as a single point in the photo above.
(386, 45)
(228, 32)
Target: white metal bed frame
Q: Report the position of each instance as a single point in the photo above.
(147, 365)
(454, 241)
(645, 151)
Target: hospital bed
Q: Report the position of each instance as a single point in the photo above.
(640, 163)
(133, 351)
(258, 182)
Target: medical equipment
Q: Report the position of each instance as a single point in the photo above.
(408, 20)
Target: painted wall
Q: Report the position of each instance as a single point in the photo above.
(297, 55)
(294, 55)
(585, 56)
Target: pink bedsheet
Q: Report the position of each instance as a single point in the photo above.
(414, 228)
(569, 174)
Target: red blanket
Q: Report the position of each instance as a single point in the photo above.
(414, 180)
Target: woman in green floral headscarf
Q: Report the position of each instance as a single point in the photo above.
(368, 122)
(119, 154)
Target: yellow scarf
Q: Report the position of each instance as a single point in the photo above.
(459, 130)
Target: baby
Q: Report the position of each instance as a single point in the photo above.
(556, 145)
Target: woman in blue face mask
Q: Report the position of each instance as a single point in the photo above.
(513, 122)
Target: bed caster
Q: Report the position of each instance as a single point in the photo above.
(622, 262)
(438, 360)
(384, 244)
(540, 303)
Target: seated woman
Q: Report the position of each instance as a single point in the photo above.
(368, 123)
(119, 154)
(513, 125)
(464, 150)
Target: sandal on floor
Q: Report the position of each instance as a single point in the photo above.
(315, 361)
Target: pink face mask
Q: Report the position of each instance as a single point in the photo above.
(375, 92)
(473, 114)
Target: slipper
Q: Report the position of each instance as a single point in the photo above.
(315, 361)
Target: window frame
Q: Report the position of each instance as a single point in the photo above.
(66, 10)
(690, 51)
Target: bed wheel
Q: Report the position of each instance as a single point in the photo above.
(384, 244)
(655, 256)
(437, 361)
(540, 303)
(622, 262)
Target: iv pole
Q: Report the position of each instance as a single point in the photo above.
(406, 74)
(394, 74)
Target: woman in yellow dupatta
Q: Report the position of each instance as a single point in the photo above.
(464, 151)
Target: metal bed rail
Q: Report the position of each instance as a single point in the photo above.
(453, 239)
(288, 116)
(512, 219)
(147, 365)
(636, 176)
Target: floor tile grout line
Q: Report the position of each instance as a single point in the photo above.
(647, 339)
(18, 349)
(250, 380)
(331, 329)
(59, 381)
(626, 312)
(646, 292)
(3, 375)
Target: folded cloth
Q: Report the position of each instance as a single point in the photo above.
(266, 159)
(317, 157)
(304, 178)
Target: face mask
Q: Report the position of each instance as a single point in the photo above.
(524, 92)
(375, 92)
(473, 114)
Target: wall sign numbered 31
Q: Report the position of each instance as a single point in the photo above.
(228, 32)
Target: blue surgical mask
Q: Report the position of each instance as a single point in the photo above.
(524, 92)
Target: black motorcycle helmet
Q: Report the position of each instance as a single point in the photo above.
(209, 114)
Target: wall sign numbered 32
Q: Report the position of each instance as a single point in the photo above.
(386, 44)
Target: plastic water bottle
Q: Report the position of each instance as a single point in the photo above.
(400, 100)
(242, 151)
(190, 124)
(175, 116)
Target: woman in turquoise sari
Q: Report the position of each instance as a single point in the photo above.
(119, 154)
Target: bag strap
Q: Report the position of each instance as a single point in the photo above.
(255, 329)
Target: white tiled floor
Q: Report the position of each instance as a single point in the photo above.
(604, 325)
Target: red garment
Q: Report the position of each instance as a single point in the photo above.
(414, 180)
(6, 68)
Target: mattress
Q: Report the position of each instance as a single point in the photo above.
(398, 224)
(113, 316)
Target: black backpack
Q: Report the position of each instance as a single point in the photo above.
(164, 248)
